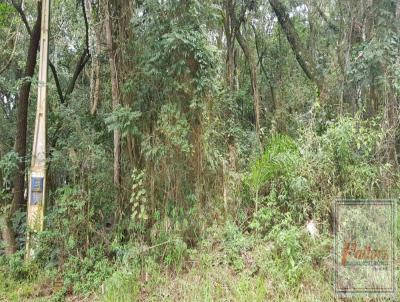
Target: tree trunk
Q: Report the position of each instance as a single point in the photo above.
(20, 139)
(390, 122)
(96, 81)
(253, 78)
(95, 68)
(234, 25)
(393, 112)
(230, 48)
(114, 92)
(303, 56)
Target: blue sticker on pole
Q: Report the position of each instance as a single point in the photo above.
(36, 190)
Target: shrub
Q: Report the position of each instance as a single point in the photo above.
(15, 268)
(85, 275)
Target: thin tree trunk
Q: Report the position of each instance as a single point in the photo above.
(303, 56)
(253, 78)
(95, 68)
(96, 84)
(390, 122)
(15, 42)
(394, 99)
(235, 30)
(230, 48)
(114, 93)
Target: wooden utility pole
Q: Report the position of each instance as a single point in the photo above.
(37, 175)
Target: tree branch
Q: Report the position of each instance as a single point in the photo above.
(303, 56)
(259, 55)
(18, 8)
(12, 54)
(57, 81)
(329, 22)
(79, 67)
(85, 56)
(82, 60)
(86, 24)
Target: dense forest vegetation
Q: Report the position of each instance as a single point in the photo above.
(190, 142)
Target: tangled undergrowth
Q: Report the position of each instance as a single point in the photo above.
(261, 253)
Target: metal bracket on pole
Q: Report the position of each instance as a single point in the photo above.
(37, 175)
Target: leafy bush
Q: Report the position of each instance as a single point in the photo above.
(123, 285)
(85, 275)
(8, 165)
(15, 268)
(123, 119)
(235, 243)
(138, 199)
(265, 218)
(168, 245)
(304, 181)
(279, 160)
(288, 251)
(74, 242)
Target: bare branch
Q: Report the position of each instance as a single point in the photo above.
(11, 56)
(302, 55)
(85, 56)
(57, 81)
(18, 8)
(329, 22)
(79, 67)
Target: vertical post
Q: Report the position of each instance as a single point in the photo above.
(37, 175)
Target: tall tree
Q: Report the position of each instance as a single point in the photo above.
(22, 120)
(114, 91)
(229, 29)
(250, 58)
